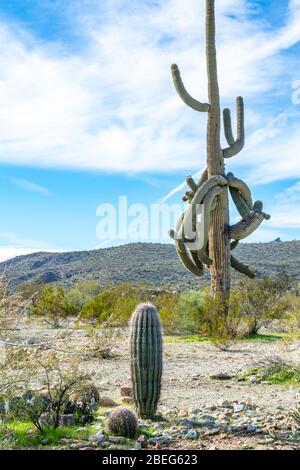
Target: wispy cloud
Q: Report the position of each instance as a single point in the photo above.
(113, 108)
(31, 186)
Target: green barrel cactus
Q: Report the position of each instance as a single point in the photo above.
(146, 359)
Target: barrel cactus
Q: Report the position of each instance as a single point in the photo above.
(123, 422)
(146, 359)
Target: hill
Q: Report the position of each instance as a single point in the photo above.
(151, 263)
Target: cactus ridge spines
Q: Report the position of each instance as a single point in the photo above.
(146, 358)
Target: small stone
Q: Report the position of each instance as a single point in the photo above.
(191, 434)
(116, 439)
(251, 428)
(221, 376)
(254, 380)
(143, 441)
(107, 402)
(138, 446)
(127, 400)
(214, 431)
(238, 407)
(183, 414)
(99, 437)
(126, 391)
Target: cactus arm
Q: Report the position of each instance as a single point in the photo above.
(242, 187)
(184, 95)
(239, 202)
(228, 127)
(191, 183)
(186, 260)
(242, 268)
(203, 178)
(235, 146)
(246, 226)
(190, 214)
(193, 265)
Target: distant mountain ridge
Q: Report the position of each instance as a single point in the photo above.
(154, 264)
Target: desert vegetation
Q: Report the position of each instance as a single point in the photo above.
(58, 345)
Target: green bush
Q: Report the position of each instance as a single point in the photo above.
(53, 305)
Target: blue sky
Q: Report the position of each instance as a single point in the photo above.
(88, 111)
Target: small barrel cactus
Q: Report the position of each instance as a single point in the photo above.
(146, 359)
(123, 422)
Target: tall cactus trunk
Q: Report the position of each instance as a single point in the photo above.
(219, 243)
(214, 234)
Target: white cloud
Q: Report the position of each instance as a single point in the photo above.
(30, 186)
(112, 107)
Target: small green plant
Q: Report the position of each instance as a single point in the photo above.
(275, 371)
(123, 422)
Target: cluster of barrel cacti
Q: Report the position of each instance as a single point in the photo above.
(146, 359)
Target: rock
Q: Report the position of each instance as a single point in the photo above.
(191, 434)
(127, 400)
(67, 420)
(221, 376)
(251, 428)
(138, 446)
(183, 414)
(143, 441)
(160, 440)
(254, 380)
(214, 431)
(116, 439)
(99, 437)
(238, 407)
(107, 402)
(126, 391)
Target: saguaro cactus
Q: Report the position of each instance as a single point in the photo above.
(146, 359)
(213, 248)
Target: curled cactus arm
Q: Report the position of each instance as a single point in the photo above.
(235, 146)
(186, 260)
(190, 217)
(236, 183)
(239, 202)
(246, 226)
(184, 95)
(242, 268)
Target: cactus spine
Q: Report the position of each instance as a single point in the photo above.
(215, 251)
(146, 359)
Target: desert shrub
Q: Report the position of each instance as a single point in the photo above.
(167, 304)
(262, 300)
(53, 305)
(82, 292)
(274, 370)
(60, 382)
(191, 304)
